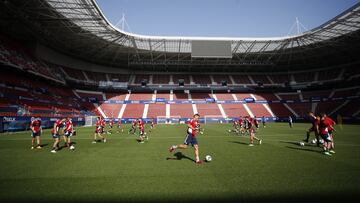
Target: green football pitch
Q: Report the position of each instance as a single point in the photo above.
(124, 170)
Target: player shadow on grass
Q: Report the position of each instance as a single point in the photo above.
(297, 143)
(44, 145)
(303, 148)
(179, 156)
(63, 146)
(237, 142)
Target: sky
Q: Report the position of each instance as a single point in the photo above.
(221, 18)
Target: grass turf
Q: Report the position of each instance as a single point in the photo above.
(124, 170)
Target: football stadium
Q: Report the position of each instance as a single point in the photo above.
(91, 112)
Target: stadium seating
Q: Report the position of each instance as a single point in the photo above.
(140, 78)
(74, 73)
(302, 109)
(95, 76)
(202, 79)
(350, 109)
(261, 79)
(328, 107)
(177, 77)
(161, 79)
(304, 77)
(208, 110)
(241, 79)
(289, 96)
(111, 110)
(182, 110)
(346, 92)
(90, 96)
(200, 96)
(180, 96)
(140, 96)
(133, 111)
(119, 77)
(224, 96)
(36, 98)
(115, 96)
(329, 74)
(234, 110)
(45, 104)
(315, 94)
(156, 110)
(219, 78)
(13, 53)
(280, 79)
(22, 95)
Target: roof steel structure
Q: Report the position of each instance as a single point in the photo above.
(79, 28)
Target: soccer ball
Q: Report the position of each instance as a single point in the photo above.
(208, 158)
(72, 147)
(301, 144)
(229, 131)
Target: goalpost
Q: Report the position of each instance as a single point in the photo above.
(168, 120)
(90, 120)
(214, 119)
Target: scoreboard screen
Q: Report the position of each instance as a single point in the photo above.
(210, 49)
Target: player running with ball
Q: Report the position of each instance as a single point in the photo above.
(314, 120)
(190, 139)
(68, 132)
(251, 129)
(322, 129)
(56, 134)
(142, 131)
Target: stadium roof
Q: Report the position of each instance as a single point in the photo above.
(80, 28)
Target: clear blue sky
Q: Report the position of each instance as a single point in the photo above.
(221, 18)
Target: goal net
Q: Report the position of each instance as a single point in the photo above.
(214, 119)
(90, 120)
(168, 120)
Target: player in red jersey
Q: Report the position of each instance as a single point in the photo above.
(133, 126)
(56, 134)
(119, 126)
(241, 125)
(322, 129)
(250, 127)
(99, 129)
(314, 121)
(235, 127)
(36, 131)
(331, 129)
(256, 123)
(111, 124)
(68, 132)
(190, 139)
(141, 125)
(199, 129)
